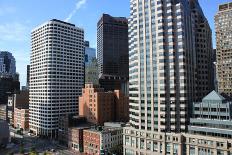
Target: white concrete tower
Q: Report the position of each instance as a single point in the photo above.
(56, 74)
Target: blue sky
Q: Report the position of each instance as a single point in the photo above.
(19, 17)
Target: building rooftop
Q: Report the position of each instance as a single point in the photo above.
(108, 127)
(213, 96)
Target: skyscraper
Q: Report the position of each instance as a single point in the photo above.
(56, 74)
(224, 48)
(7, 63)
(90, 53)
(161, 60)
(112, 45)
(162, 70)
(91, 66)
(204, 77)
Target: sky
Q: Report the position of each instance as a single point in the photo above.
(19, 17)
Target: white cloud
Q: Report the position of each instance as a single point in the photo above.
(79, 5)
(14, 32)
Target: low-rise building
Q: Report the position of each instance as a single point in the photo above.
(18, 100)
(212, 116)
(104, 139)
(142, 142)
(99, 106)
(70, 132)
(21, 118)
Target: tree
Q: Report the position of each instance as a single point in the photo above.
(21, 149)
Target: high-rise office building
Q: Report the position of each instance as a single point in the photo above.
(90, 53)
(162, 68)
(224, 47)
(112, 45)
(7, 63)
(204, 75)
(91, 66)
(56, 74)
(161, 60)
(91, 72)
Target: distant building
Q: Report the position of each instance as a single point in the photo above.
(91, 66)
(8, 86)
(104, 140)
(7, 63)
(113, 82)
(99, 106)
(55, 82)
(212, 116)
(90, 53)
(224, 47)
(4, 134)
(91, 72)
(112, 45)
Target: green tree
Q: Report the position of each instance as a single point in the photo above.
(21, 149)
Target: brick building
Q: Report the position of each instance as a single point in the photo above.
(103, 140)
(99, 106)
(21, 118)
(70, 131)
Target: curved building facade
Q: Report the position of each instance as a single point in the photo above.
(56, 74)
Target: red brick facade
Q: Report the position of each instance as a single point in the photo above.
(99, 106)
(91, 142)
(21, 118)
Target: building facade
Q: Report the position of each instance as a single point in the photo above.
(90, 53)
(21, 118)
(7, 63)
(112, 45)
(91, 72)
(99, 106)
(204, 73)
(104, 140)
(161, 60)
(56, 74)
(8, 85)
(28, 76)
(157, 143)
(17, 100)
(70, 132)
(113, 82)
(224, 47)
(212, 116)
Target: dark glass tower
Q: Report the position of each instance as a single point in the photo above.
(112, 45)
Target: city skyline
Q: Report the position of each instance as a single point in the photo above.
(18, 20)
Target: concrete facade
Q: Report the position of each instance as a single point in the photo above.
(56, 74)
(212, 116)
(138, 142)
(224, 47)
